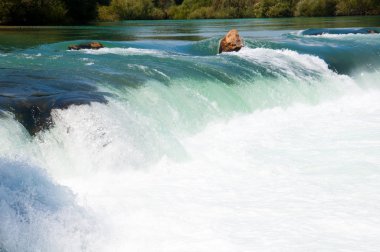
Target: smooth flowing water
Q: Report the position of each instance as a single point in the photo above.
(159, 143)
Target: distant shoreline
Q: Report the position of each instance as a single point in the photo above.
(96, 23)
(73, 13)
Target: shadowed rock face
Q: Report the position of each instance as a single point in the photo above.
(91, 45)
(232, 42)
(34, 112)
(31, 97)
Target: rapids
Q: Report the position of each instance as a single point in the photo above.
(158, 143)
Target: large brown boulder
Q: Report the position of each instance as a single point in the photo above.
(232, 42)
(91, 45)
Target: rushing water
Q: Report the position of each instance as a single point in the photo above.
(158, 143)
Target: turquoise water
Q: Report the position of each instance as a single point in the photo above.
(158, 143)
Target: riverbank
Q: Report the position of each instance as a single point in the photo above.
(191, 30)
(65, 12)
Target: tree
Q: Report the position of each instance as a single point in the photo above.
(32, 11)
(358, 7)
(81, 11)
(280, 10)
(312, 8)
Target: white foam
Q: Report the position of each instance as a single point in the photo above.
(202, 167)
(123, 51)
(31, 56)
(298, 179)
(344, 36)
(38, 215)
(288, 62)
(147, 70)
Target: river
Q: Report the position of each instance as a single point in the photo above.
(158, 143)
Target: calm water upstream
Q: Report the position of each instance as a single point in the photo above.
(158, 143)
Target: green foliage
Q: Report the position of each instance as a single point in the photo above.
(201, 13)
(313, 8)
(106, 13)
(280, 10)
(358, 7)
(81, 11)
(158, 14)
(238, 8)
(273, 8)
(134, 9)
(190, 9)
(261, 8)
(178, 12)
(32, 11)
(195, 8)
(163, 4)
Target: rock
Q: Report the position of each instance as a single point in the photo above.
(232, 42)
(35, 112)
(372, 32)
(91, 45)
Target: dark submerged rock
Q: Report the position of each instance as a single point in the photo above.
(34, 113)
(32, 96)
(91, 45)
(232, 42)
(372, 32)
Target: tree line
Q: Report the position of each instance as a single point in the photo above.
(36, 12)
(31, 12)
(204, 9)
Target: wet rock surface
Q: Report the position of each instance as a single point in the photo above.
(32, 98)
(232, 42)
(90, 45)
